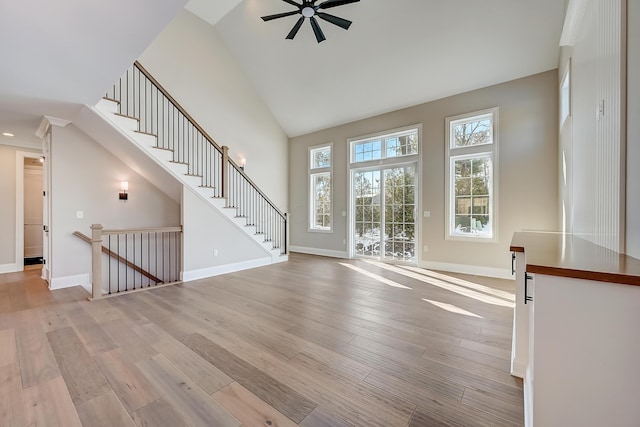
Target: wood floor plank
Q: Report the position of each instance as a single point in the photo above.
(248, 408)
(49, 404)
(345, 399)
(91, 334)
(494, 405)
(104, 411)
(422, 418)
(11, 401)
(8, 348)
(321, 418)
(203, 373)
(36, 360)
(284, 399)
(158, 414)
(132, 346)
(127, 382)
(82, 376)
(486, 349)
(193, 403)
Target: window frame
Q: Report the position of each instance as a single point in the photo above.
(383, 136)
(314, 172)
(454, 154)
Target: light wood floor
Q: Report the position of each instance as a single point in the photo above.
(312, 342)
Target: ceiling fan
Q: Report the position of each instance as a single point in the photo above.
(309, 9)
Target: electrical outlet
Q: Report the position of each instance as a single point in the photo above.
(425, 249)
(427, 214)
(79, 214)
(215, 252)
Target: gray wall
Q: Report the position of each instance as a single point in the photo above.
(215, 90)
(85, 177)
(205, 230)
(528, 173)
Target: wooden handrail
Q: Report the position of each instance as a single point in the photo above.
(120, 258)
(143, 230)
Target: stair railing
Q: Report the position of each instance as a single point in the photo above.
(136, 258)
(142, 97)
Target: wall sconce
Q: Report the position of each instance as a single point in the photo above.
(124, 186)
(243, 163)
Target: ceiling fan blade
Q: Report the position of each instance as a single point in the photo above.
(279, 15)
(343, 23)
(292, 3)
(295, 28)
(333, 3)
(316, 30)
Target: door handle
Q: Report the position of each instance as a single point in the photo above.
(526, 283)
(513, 263)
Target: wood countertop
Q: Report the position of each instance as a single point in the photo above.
(566, 255)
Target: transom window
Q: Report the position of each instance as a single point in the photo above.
(471, 171)
(398, 144)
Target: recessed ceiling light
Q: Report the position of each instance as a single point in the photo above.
(7, 134)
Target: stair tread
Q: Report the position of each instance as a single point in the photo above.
(111, 99)
(162, 148)
(145, 133)
(125, 116)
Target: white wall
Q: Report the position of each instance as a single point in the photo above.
(528, 155)
(205, 230)
(633, 131)
(85, 177)
(190, 60)
(596, 140)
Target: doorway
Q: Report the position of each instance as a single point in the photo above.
(32, 219)
(384, 210)
(29, 191)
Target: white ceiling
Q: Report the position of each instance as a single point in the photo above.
(398, 53)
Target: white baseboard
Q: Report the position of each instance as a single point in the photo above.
(70, 281)
(518, 368)
(475, 270)
(321, 252)
(8, 268)
(188, 276)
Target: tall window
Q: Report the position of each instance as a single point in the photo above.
(471, 175)
(320, 188)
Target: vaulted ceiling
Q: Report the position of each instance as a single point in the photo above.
(397, 53)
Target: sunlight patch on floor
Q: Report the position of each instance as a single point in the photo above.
(475, 286)
(460, 290)
(374, 276)
(452, 308)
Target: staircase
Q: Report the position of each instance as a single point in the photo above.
(144, 112)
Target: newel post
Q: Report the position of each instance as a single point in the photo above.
(225, 172)
(96, 261)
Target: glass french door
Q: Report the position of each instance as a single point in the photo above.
(384, 207)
